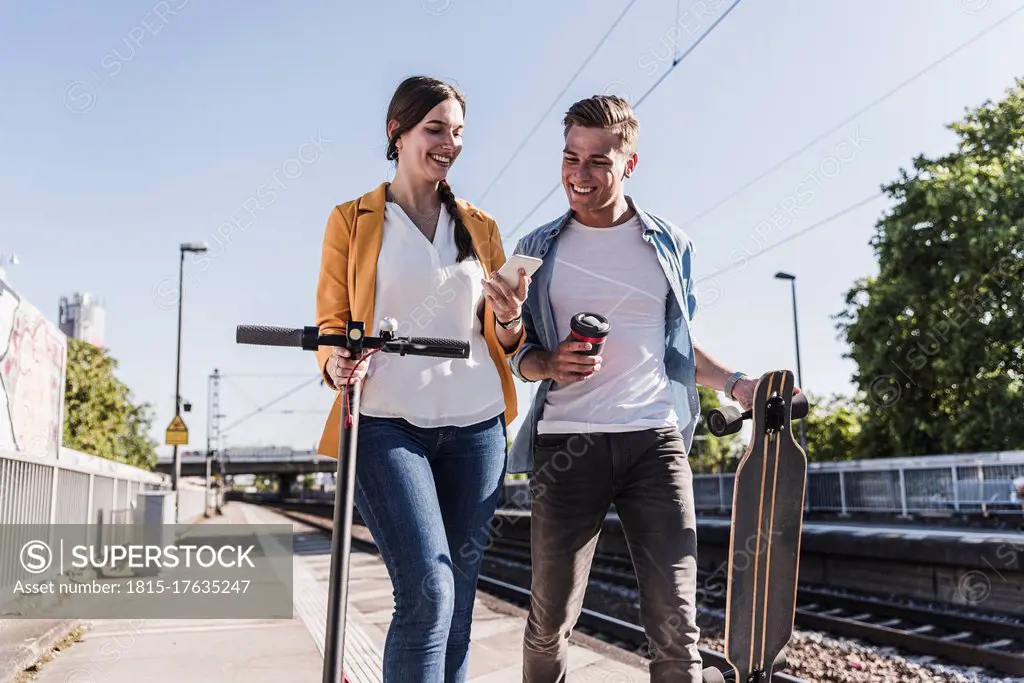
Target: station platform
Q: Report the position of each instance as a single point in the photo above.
(904, 532)
(966, 547)
(265, 651)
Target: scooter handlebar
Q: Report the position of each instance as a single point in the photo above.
(426, 346)
(310, 339)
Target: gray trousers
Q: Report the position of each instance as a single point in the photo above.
(576, 478)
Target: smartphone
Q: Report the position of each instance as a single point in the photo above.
(510, 271)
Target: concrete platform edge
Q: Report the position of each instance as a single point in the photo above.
(31, 652)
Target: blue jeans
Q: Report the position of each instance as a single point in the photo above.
(428, 496)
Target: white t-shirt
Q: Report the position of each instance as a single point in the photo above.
(420, 285)
(613, 272)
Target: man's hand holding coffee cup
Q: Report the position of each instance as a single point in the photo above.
(569, 363)
(576, 358)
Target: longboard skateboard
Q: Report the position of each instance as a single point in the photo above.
(767, 521)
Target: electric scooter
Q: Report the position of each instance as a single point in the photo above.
(355, 340)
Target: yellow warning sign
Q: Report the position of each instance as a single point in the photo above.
(177, 432)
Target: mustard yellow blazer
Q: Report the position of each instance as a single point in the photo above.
(348, 275)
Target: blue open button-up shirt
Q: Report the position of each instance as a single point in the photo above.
(675, 254)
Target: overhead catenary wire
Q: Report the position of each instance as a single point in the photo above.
(974, 38)
(814, 226)
(878, 100)
(229, 382)
(261, 409)
(228, 379)
(675, 62)
(558, 97)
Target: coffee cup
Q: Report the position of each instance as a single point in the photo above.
(589, 327)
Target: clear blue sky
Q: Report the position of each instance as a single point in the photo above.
(129, 127)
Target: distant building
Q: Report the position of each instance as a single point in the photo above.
(84, 318)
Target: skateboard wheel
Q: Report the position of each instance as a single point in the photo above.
(712, 675)
(725, 420)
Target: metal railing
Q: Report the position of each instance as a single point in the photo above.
(77, 489)
(973, 483)
(73, 489)
(38, 491)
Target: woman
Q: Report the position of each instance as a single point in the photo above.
(431, 443)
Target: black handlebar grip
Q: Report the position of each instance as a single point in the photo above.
(430, 346)
(265, 335)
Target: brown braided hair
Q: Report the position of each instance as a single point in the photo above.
(412, 101)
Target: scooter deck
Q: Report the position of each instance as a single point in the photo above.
(764, 547)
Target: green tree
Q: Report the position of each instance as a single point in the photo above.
(710, 453)
(938, 334)
(833, 427)
(100, 418)
(264, 483)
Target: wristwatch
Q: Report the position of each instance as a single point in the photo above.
(511, 323)
(730, 383)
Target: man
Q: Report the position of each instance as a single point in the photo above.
(613, 428)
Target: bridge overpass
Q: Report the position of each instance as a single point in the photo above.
(254, 460)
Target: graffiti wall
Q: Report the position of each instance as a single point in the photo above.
(33, 360)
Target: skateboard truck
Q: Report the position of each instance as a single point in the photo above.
(774, 414)
(715, 675)
(767, 522)
(355, 340)
(729, 420)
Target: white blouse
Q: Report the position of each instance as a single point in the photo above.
(420, 285)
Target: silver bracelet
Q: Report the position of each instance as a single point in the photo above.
(730, 383)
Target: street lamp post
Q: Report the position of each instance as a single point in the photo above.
(197, 248)
(796, 331)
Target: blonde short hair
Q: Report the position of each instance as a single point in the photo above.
(609, 112)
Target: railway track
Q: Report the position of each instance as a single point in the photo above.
(596, 622)
(956, 638)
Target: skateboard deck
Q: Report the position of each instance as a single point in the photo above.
(764, 547)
